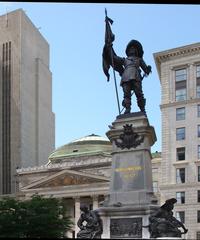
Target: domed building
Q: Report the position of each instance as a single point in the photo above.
(91, 145)
(79, 172)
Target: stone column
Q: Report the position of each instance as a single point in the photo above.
(77, 213)
(95, 202)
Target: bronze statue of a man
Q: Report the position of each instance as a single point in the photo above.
(129, 68)
(131, 78)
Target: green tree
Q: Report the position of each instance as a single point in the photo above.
(9, 218)
(35, 218)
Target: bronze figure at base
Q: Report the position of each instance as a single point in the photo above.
(163, 223)
(90, 224)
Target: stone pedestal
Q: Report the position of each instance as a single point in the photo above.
(131, 200)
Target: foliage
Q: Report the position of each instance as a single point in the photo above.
(35, 218)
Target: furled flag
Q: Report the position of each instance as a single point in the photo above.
(109, 38)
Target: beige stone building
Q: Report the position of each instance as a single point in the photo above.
(179, 73)
(26, 118)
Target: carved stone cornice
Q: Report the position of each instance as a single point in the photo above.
(180, 103)
(66, 165)
(175, 53)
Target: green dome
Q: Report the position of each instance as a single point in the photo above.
(89, 145)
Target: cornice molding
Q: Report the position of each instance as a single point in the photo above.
(180, 103)
(175, 53)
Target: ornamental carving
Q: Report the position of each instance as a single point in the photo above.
(129, 138)
(67, 180)
(126, 228)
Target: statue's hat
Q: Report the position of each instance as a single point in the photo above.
(137, 45)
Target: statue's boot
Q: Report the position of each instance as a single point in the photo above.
(128, 110)
(141, 103)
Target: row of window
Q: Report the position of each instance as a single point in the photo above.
(180, 175)
(180, 178)
(180, 153)
(180, 133)
(180, 113)
(180, 197)
(180, 215)
(180, 83)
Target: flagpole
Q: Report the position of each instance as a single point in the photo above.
(112, 59)
(115, 83)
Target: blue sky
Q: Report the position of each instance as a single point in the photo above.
(83, 101)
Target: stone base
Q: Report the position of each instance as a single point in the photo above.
(130, 222)
(131, 176)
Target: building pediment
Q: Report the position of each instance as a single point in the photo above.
(66, 178)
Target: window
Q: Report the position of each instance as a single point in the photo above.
(180, 94)
(198, 196)
(198, 216)
(180, 114)
(198, 80)
(198, 110)
(180, 175)
(198, 130)
(198, 151)
(180, 133)
(180, 84)
(198, 173)
(198, 91)
(180, 197)
(198, 71)
(180, 154)
(198, 236)
(180, 216)
(155, 186)
(180, 75)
